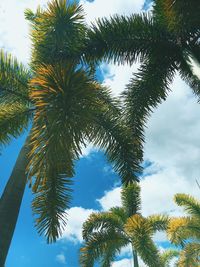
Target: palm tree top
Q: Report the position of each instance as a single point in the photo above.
(105, 233)
(67, 108)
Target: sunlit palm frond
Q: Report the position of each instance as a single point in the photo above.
(140, 232)
(190, 256)
(190, 204)
(65, 101)
(14, 119)
(181, 229)
(181, 17)
(158, 222)
(57, 32)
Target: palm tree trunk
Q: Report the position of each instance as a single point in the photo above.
(10, 203)
(135, 257)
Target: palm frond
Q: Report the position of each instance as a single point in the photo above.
(181, 17)
(120, 213)
(146, 90)
(131, 199)
(190, 255)
(111, 135)
(14, 119)
(182, 229)
(51, 201)
(64, 98)
(14, 78)
(158, 222)
(140, 232)
(126, 39)
(188, 76)
(168, 255)
(103, 221)
(57, 32)
(101, 243)
(189, 203)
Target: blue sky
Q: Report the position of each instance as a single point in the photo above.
(171, 153)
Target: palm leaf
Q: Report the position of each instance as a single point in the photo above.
(189, 203)
(13, 79)
(14, 119)
(57, 32)
(131, 199)
(183, 228)
(158, 222)
(168, 255)
(190, 255)
(146, 90)
(98, 244)
(51, 201)
(103, 221)
(140, 232)
(111, 135)
(126, 39)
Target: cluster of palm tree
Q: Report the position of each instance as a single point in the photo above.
(185, 231)
(106, 233)
(63, 107)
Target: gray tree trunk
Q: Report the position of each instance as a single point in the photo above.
(135, 257)
(10, 203)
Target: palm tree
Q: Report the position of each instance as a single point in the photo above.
(15, 114)
(185, 231)
(163, 41)
(105, 233)
(68, 108)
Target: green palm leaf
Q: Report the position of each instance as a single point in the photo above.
(99, 243)
(140, 232)
(14, 120)
(131, 199)
(168, 255)
(57, 32)
(189, 203)
(13, 79)
(158, 222)
(190, 255)
(144, 92)
(126, 39)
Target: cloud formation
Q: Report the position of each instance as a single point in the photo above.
(104, 8)
(61, 258)
(14, 30)
(76, 217)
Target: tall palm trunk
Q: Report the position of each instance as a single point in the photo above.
(10, 203)
(135, 257)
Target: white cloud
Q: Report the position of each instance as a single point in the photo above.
(14, 34)
(122, 263)
(110, 199)
(14, 30)
(104, 8)
(76, 217)
(61, 258)
(119, 76)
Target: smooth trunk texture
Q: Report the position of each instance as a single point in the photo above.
(135, 258)
(10, 203)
